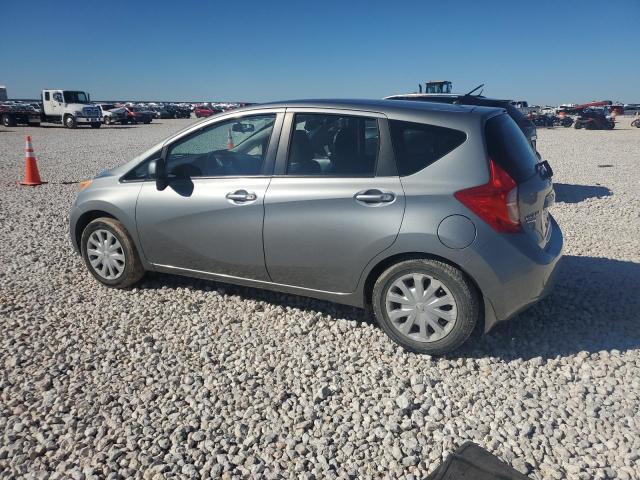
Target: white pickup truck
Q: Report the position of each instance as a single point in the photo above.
(69, 107)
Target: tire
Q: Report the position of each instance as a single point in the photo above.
(577, 125)
(8, 120)
(96, 125)
(567, 122)
(107, 120)
(70, 121)
(466, 304)
(636, 123)
(133, 270)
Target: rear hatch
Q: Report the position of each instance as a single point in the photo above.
(510, 150)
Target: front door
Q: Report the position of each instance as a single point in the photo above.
(335, 204)
(56, 106)
(210, 216)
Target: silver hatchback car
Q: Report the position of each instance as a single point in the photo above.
(434, 216)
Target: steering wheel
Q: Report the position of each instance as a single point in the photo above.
(221, 160)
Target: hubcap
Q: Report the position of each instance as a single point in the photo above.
(421, 307)
(105, 254)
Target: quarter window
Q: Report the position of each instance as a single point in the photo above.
(233, 148)
(333, 145)
(417, 145)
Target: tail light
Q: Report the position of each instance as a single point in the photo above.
(495, 202)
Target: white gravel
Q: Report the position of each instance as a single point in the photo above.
(184, 378)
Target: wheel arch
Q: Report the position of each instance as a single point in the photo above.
(85, 219)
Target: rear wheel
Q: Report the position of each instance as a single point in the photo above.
(110, 254)
(636, 123)
(426, 306)
(577, 125)
(8, 120)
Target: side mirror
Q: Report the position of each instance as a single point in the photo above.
(243, 127)
(156, 170)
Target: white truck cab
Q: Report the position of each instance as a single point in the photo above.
(69, 107)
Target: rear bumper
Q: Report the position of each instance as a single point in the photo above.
(513, 274)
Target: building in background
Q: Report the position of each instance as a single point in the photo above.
(3, 93)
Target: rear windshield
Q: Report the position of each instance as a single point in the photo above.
(509, 148)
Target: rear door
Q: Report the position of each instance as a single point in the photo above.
(509, 148)
(335, 202)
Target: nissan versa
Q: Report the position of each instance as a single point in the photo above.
(435, 216)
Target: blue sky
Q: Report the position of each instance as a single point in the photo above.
(541, 51)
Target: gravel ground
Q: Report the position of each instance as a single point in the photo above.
(184, 378)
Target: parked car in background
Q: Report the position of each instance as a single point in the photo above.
(161, 112)
(112, 114)
(179, 111)
(526, 125)
(139, 115)
(434, 216)
(631, 108)
(205, 111)
(594, 119)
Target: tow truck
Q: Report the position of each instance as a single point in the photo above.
(12, 114)
(70, 108)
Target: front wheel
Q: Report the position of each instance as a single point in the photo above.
(426, 306)
(107, 120)
(577, 125)
(70, 121)
(636, 123)
(110, 254)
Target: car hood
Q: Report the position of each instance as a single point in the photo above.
(79, 106)
(124, 168)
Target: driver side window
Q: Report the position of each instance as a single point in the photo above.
(233, 148)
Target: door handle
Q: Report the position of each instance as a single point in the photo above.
(242, 196)
(374, 196)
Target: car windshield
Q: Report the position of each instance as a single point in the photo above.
(75, 97)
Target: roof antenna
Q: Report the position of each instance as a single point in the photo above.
(479, 86)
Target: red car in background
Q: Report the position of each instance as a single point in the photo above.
(138, 115)
(205, 111)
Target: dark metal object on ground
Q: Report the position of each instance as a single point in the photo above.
(472, 462)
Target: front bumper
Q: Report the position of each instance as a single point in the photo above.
(88, 120)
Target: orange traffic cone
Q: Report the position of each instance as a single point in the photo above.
(229, 141)
(31, 174)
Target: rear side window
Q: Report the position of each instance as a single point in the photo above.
(509, 148)
(333, 145)
(417, 145)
